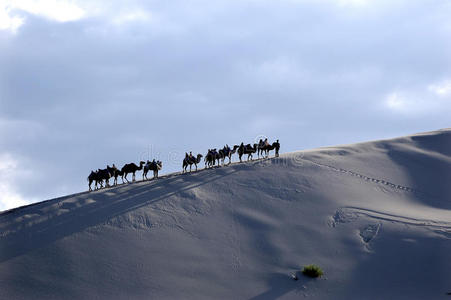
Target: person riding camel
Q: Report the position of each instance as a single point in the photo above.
(191, 156)
(266, 143)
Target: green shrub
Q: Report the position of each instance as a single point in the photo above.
(312, 271)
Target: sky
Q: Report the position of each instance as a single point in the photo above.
(84, 84)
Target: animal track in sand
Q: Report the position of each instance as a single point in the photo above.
(371, 179)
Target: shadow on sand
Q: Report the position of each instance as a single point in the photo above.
(37, 225)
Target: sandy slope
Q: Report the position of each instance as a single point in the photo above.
(375, 216)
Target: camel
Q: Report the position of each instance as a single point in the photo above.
(227, 152)
(154, 166)
(211, 157)
(271, 147)
(99, 176)
(105, 174)
(131, 168)
(118, 173)
(260, 148)
(190, 161)
(248, 149)
(91, 178)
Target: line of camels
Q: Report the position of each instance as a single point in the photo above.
(262, 149)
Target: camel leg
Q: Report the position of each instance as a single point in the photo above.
(126, 177)
(196, 166)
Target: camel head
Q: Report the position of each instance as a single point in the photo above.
(159, 165)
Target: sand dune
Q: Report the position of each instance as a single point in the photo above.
(375, 216)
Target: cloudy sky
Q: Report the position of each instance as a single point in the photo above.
(89, 83)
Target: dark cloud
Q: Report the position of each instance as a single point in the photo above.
(78, 95)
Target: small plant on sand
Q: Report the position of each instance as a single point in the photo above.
(312, 271)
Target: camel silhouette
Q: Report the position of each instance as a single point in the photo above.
(267, 148)
(91, 178)
(131, 168)
(99, 176)
(154, 166)
(190, 161)
(226, 152)
(211, 157)
(248, 149)
(116, 174)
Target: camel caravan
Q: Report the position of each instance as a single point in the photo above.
(112, 172)
(101, 177)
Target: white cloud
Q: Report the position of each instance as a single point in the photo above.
(10, 174)
(431, 98)
(8, 21)
(396, 102)
(441, 89)
(56, 10)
